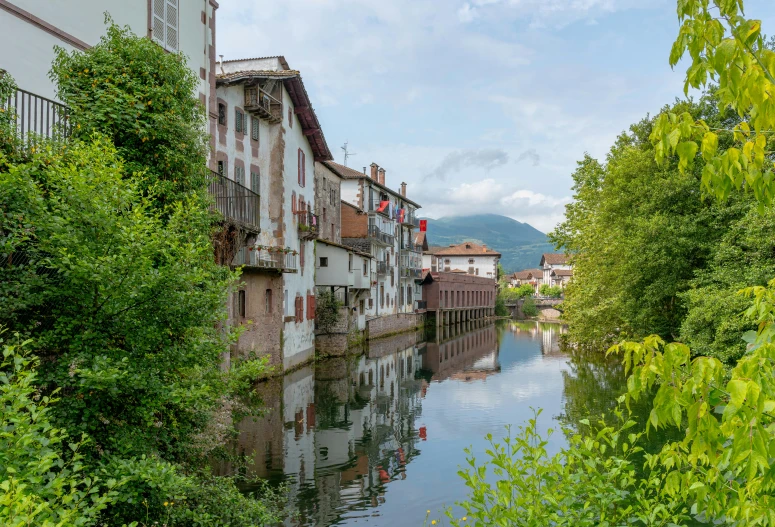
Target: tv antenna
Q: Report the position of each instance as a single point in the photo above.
(347, 153)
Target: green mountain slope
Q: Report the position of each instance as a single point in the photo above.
(520, 244)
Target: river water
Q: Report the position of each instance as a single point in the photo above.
(377, 439)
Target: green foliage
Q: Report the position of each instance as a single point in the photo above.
(512, 294)
(592, 482)
(724, 48)
(327, 311)
(42, 474)
(529, 308)
(552, 291)
(129, 89)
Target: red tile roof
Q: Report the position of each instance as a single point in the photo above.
(562, 272)
(349, 173)
(527, 274)
(554, 259)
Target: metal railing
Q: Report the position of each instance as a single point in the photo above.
(236, 202)
(266, 258)
(421, 304)
(37, 117)
(384, 268)
(408, 272)
(377, 234)
(308, 224)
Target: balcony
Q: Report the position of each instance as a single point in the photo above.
(277, 259)
(384, 268)
(263, 105)
(307, 224)
(376, 234)
(409, 272)
(237, 204)
(36, 117)
(410, 219)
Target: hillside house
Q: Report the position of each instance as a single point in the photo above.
(268, 140)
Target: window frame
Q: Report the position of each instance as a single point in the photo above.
(163, 41)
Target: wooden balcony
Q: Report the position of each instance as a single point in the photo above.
(263, 105)
(270, 259)
(237, 203)
(307, 224)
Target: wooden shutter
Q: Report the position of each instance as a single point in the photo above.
(310, 307)
(158, 29)
(254, 128)
(303, 169)
(237, 120)
(255, 182)
(298, 163)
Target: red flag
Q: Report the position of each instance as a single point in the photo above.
(423, 225)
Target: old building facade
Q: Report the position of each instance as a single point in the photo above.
(557, 270)
(457, 297)
(468, 257)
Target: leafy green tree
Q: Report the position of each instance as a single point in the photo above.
(327, 311)
(529, 308)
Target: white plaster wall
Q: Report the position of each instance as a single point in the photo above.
(487, 265)
(337, 273)
(27, 52)
(349, 192)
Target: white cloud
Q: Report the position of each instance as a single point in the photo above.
(466, 13)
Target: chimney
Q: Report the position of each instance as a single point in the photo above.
(381, 179)
(364, 171)
(374, 167)
(403, 189)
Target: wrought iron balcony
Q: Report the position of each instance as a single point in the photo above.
(263, 105)
(379, 236)
(308, 225)
(36, 117)
(409, 272)
(236, 202)
(384, 268)
(271, 258)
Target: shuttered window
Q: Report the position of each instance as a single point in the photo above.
(302, 162)
(299, 309)
(239, 175)
(310, 307)
(165, 24)
(254, 128)
(293, 202)
(255, 182)
(239, 121)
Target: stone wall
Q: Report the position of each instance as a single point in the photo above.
(389, 324)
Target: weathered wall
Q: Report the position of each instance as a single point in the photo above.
(355, 224)
(262, 322)
(388, 324)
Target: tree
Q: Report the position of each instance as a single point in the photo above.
(327, 312)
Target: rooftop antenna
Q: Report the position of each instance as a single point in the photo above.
(346, 152)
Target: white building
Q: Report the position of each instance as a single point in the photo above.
(556, 268)
(379, 221)
(29, 30)
(268, 139)
(469, 257)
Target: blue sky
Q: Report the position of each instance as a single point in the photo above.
(479, 105)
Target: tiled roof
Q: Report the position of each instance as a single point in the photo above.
(562, 272)
(258, 73)
(554, 259)
(280, 58)
(433, 249)
(349, 173)
(468, 249)
(527, 274)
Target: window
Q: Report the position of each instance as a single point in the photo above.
(220, 167)
(301, 257)
(310, 307)
(365, 267)
(470, 270)
(165, 24)
(470, 261)
(349, 262)
(268, 301)
(324, 214)
(446, 262)
(302, 168)
(361, 307)
(254, 128)
(239, 121)
(290, 117)
(241, 303)
(286, 304)
(392, 280)
(255, 182)
(293, 202)
(239, 175)
(323, 261)
(221, 114)
(332, 197)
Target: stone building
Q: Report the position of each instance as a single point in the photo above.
(268, 140)
(380, 221)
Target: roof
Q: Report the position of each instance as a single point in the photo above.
(349, 173)
(468, 249)
(562, 272)
(433, 249)
(356, 207)
(554, 259)
(527, 274)
(280, 58)
(299, 97)
(345, 247)
(421, 240)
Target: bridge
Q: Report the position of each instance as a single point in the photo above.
(547, 308)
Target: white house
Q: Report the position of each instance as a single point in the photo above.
(31, 29)
(268, 139)
(556, 262)
(468, 257)
(534, 277)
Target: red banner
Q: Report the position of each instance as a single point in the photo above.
(423, 225)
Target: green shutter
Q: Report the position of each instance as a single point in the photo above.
(255, 182)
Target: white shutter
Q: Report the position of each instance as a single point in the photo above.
(158, 29)
(172, 25)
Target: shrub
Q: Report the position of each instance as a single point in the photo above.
(326, 311)
(529, 308)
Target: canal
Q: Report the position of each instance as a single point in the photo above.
(377, 439)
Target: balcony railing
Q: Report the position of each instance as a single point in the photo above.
(266, 258)
(408, 272)
(410, 219)
(384, 268)
(36, 117)
(378, 235)
(263, 105)
(237, 203)
(308, 225)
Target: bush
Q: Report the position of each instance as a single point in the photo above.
(500, 306)
(42, 474)
(529, 308)
(327, 312)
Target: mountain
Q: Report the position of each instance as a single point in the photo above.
(520, 244)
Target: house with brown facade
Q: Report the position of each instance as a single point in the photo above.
(456, 296)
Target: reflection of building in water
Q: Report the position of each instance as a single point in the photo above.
(550, 338)
(341, 431)
(470, 356)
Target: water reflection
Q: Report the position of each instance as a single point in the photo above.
(378, 438)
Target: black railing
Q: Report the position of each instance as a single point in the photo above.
(421, 304)
(37, 117)
(236, 202)
(408, 272)
(380, 236)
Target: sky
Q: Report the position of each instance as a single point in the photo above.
(480, 106)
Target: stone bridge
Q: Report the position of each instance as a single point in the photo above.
(547, 308)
